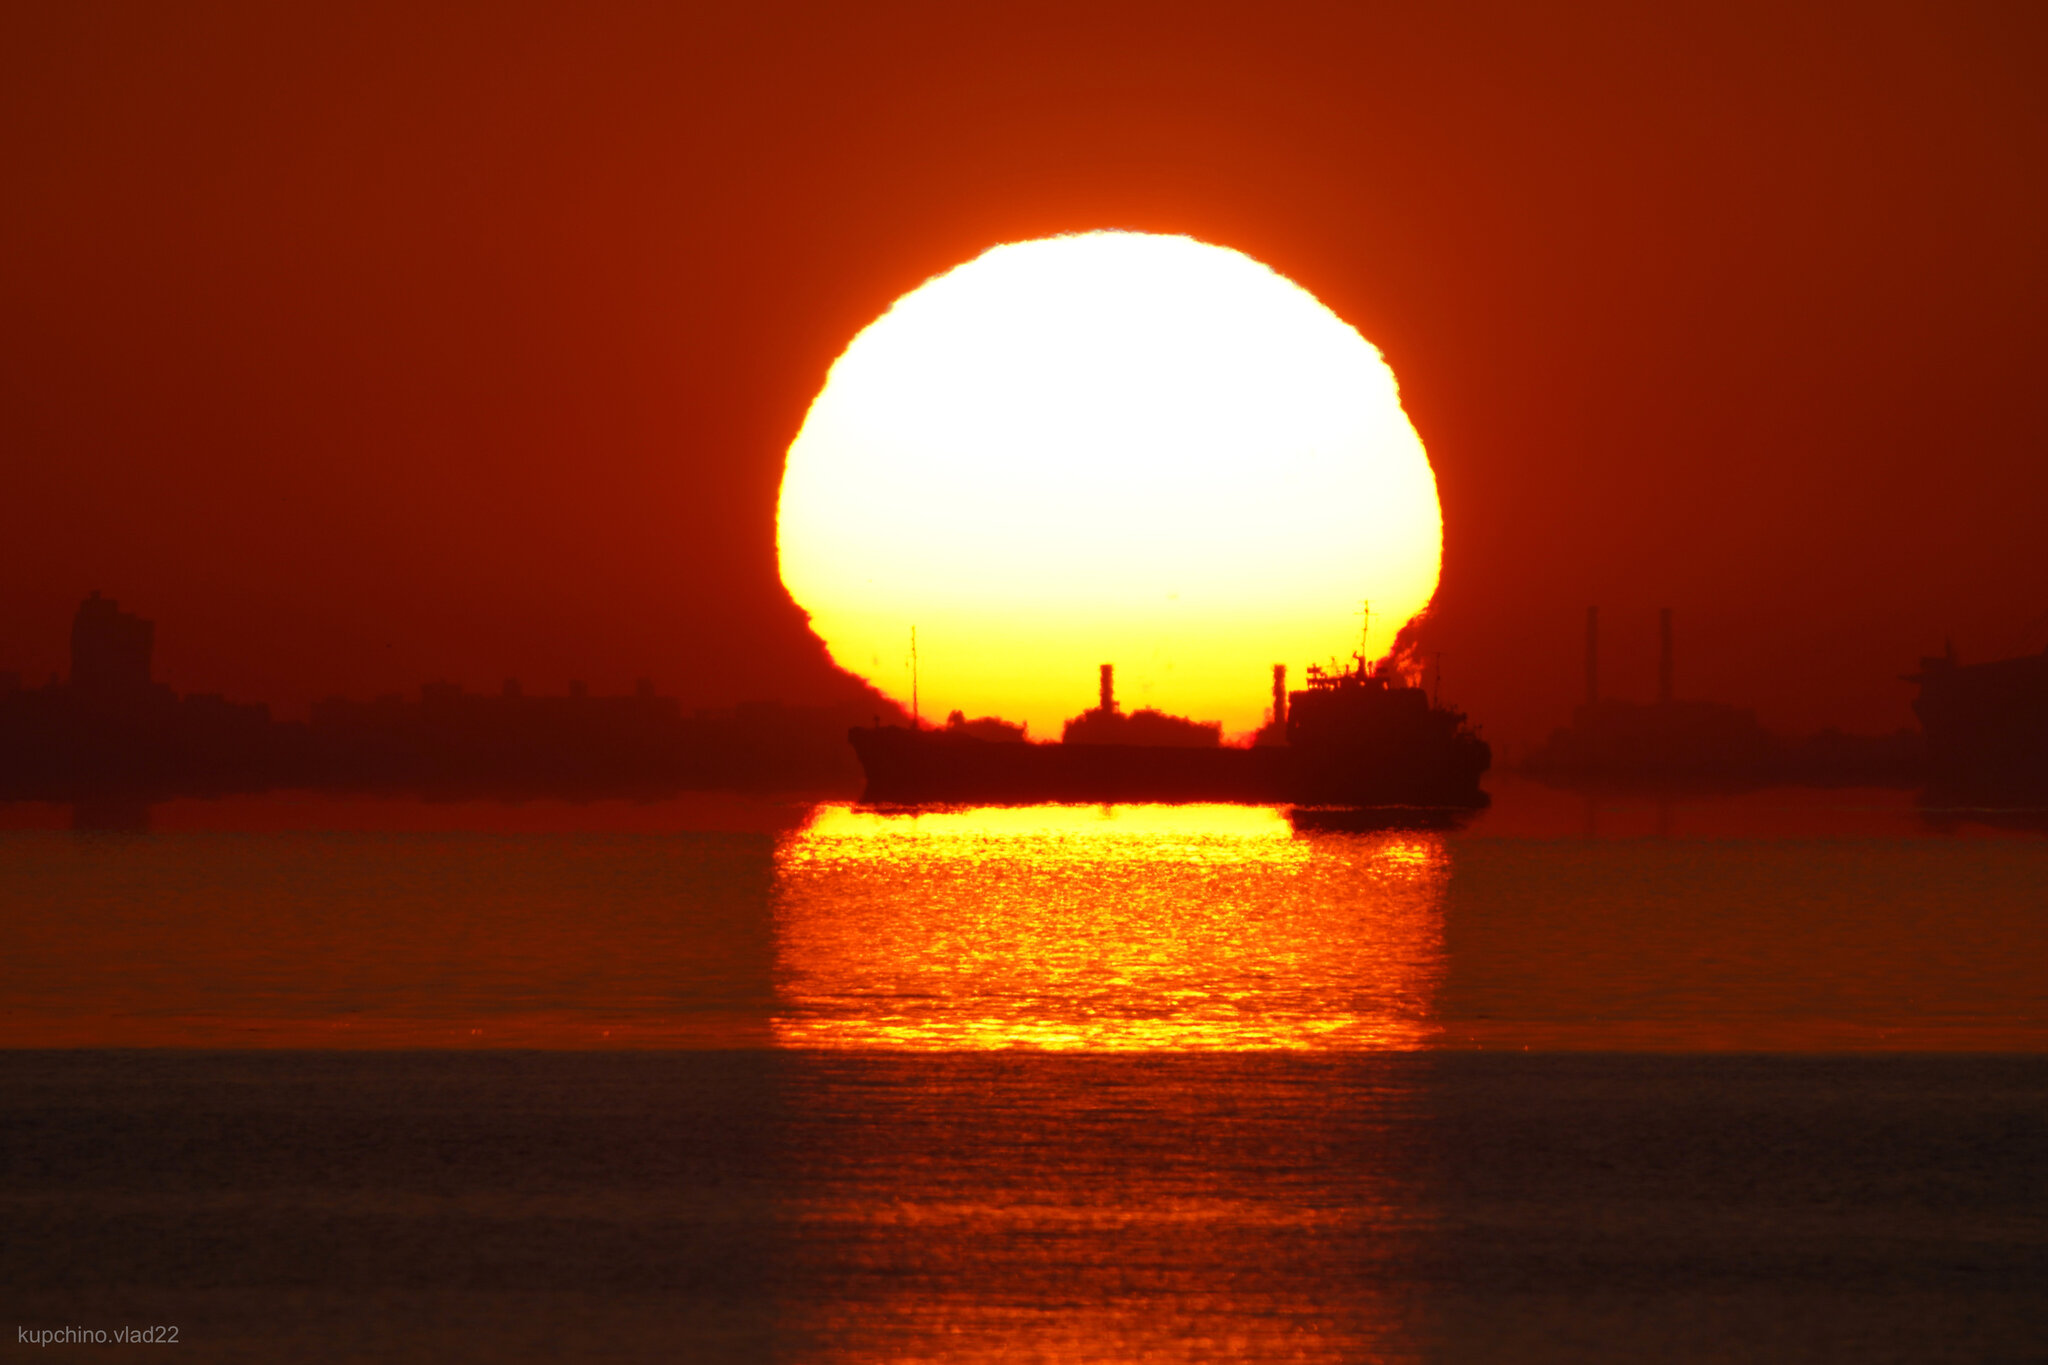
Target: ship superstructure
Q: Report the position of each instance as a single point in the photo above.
(1986, 724)
(1361, 736)
(1366, 736)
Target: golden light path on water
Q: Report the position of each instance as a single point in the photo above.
(1124, 928)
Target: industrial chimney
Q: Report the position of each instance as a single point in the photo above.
(1664, 661)
(1108, 702)
(1279, 696)
(1592, 655)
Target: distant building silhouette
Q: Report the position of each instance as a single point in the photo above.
(1667, 738)
(1691, 741)
(513, 743)
(1105, 723)
(110, 733)
(110, 648)
(110, 728)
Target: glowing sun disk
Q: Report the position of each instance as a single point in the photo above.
(1106, 448)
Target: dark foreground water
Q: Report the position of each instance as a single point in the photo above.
(1025, 1206)
(1762, 1078)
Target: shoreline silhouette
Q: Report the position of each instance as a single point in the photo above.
(112, 737)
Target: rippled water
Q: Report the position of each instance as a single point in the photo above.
(1750, 1079)
(1102, 929)
(826, 1207)
(1208, 927)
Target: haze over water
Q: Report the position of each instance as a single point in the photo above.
(739, 1080)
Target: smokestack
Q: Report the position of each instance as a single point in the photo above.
(1279, 696)
(1108, 688)
(1664, 663)
(1592, 655)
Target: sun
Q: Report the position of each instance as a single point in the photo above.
(1112, 447)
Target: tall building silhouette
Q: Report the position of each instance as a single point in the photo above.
(110, 648)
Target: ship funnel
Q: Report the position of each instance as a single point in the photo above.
(1108, 702)
(1279, 696)
(1664, 659)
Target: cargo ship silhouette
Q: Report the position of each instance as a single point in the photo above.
(1356, 737)
(1986, 724)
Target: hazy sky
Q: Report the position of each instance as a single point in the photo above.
(367, 347)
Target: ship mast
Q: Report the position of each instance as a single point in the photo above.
(916, 721)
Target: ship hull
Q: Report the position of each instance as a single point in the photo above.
(909, 767)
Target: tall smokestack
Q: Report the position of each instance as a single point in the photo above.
(1108, 687)
(1664, 661)
(1592, 655)
(1279, 696)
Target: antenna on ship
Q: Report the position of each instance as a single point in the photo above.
(916, 722)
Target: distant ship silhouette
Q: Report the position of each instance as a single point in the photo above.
(1357, 737)
(1986, 724)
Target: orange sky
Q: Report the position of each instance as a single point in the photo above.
(367, 348)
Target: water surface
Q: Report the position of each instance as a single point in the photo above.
(1619, 1079)
(1857, 924)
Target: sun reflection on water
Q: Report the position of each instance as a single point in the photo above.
(1124, 928)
